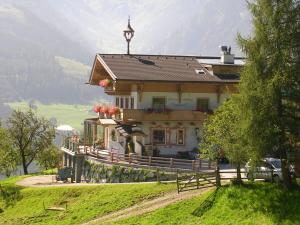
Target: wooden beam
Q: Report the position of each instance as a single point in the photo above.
(140, 91)
(179, 91)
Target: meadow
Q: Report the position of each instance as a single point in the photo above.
(72, 115)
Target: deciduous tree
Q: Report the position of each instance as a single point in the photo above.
(31, 135)
(222, 135)
(9, 158)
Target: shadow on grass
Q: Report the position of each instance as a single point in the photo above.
(206, 204)
(10, 194)
(279, 203)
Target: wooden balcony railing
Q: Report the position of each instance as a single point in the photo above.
(174, 115)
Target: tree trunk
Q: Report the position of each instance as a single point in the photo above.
(25, 170)
(286, 176)
(287, 181)
(238, 174)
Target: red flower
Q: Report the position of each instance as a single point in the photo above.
(104, 83)
(114, 110)
(97, 108)
(104, 109)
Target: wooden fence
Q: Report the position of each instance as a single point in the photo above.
(152, 161)
(187, 182)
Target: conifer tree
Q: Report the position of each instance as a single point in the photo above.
(270, 82)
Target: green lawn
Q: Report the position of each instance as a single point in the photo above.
(72, 115)
(259, 203)
(25, 205)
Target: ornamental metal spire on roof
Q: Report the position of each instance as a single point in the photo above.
(128, 34)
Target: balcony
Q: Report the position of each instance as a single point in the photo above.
(139, 115)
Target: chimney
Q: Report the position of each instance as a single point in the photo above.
(226, 56)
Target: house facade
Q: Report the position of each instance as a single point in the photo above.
(160, 101)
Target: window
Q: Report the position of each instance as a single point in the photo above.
(180, 136)
(159, 136)
(126, 103)
(202, 104)
(159, 103)
(132, 103)
(121, 103)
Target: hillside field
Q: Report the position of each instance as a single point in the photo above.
(20, 205)
(257, 203)
(72, 115)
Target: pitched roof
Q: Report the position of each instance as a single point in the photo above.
(159, 68)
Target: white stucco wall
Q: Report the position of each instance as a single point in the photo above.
(171, 149)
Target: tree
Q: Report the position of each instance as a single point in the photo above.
(9, 158)
(222, 135)
(49, 158)
(270, 82)
(31, 135)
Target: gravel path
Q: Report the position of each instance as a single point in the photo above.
(147, 206)
(50, 181)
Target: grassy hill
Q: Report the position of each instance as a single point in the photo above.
(72, 115)
(25, 205)
(257, 203)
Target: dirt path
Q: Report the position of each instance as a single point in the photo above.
(147, 206)
(50, 181)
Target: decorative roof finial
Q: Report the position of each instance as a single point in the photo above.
(128, 34)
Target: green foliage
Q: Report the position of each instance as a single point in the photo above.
(254, 203)
(84, 202)
(30, 134)
(9, 157)
(270, 82)
(222, 135)
(49, 157)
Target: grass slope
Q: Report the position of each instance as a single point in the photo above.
(73, 115)
(259, 203)
(73, 67)
(25, 205)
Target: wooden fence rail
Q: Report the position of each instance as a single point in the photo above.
(152, 161)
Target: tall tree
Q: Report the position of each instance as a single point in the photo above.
(9, 158)
(30, 134)
(270, 83)
(222, 135)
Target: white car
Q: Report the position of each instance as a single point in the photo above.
(264, 170)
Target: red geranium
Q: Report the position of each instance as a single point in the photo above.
(104, 109)
(114, 110)
(104, 83)
(97, 108)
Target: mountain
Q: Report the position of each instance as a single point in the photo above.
(48, 47)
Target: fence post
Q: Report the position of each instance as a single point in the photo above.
(193, 164)
(150, 158)
(97, 154)
(157, 175)
(209, 164)
(200, 164)
(129, 158)
(177, 181)
(171, 162)
(111, 156)
(197, 179)
(218, 177)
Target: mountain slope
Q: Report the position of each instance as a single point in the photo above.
(48, 47)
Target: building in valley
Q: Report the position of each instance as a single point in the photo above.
(163, 100)
(160, 101)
